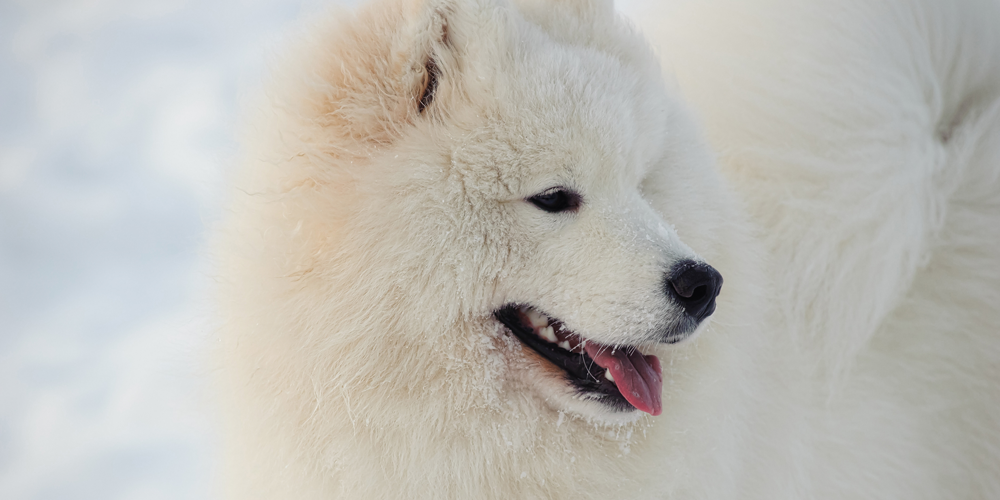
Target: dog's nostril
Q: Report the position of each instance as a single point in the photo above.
(698, 293)
(694, 285)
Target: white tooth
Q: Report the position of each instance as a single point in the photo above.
(537, 319)
(608, 375)
(548, 333)
(564, 344)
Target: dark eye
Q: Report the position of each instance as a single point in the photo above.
(556, 200)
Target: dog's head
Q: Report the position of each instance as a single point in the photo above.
(476, 202)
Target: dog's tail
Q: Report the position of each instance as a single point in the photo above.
(865, 137)
(856, 130)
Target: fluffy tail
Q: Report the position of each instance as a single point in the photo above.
(852, 128)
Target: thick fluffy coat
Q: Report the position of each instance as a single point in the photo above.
(383, 216)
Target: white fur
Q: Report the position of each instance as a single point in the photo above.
(853, 210)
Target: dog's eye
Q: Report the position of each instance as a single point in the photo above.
(556, 200)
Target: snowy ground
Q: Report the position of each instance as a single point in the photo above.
(115, 124)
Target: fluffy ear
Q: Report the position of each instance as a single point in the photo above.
(587, 10)
(590, 23)
(371, 73)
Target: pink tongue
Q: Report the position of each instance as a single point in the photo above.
(638, 377)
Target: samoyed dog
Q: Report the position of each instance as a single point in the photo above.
(504, 249)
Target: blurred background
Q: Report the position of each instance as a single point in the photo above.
(116, 120)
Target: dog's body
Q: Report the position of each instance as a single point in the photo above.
(426, 174)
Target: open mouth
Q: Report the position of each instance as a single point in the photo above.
(620, 376)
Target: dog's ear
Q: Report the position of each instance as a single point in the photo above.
(590, 23)
(587, 10)
(371, 73)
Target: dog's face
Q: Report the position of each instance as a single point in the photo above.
(519, 182)
(594, 277)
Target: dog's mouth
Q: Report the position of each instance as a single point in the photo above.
(621, 376)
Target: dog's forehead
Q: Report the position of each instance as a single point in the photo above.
(565, 115)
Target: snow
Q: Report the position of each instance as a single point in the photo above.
(114, 123)
(115, 126)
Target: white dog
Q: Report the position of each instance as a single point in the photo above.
(479, 249)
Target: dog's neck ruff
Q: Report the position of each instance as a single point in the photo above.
(610, 372)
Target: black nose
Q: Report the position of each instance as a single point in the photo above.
(694, 285)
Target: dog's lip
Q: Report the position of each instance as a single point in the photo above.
(635, 373)
(577, 365)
